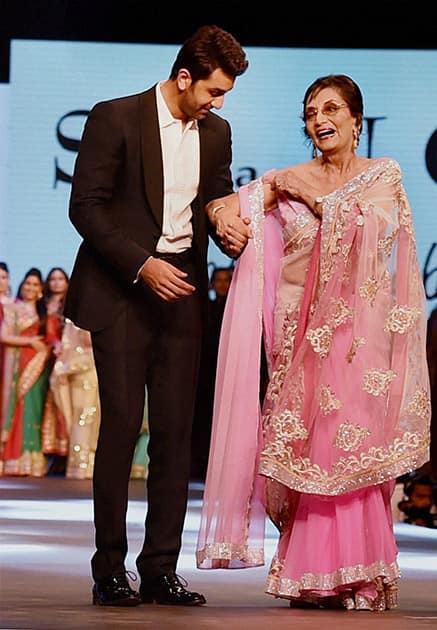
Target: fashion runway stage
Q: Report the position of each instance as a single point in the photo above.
(47, 541)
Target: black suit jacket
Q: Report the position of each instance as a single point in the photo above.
(116, 202)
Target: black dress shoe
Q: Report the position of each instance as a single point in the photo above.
(115, 591)
(169, 589)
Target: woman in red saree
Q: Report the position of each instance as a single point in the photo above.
(331, 283)
(28, 335)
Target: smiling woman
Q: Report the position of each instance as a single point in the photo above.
(333, 269)
(325, 115)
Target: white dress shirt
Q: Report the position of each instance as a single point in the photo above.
(181, 166)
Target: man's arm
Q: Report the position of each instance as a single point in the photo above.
(100, 158)
(232, 230)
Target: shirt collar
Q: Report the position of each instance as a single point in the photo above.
(165, 116)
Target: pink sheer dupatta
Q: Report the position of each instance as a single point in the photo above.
(233, 515)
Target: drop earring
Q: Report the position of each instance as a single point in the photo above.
(314, 151)
(355, 139)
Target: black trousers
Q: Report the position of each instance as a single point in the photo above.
(155, 344)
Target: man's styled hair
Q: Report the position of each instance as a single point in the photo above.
(209, 48)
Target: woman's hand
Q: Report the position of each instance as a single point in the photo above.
(37, 344)
(57, 348)
(286, 182)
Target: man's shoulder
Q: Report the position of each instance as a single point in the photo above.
(126, 101)
(215, 121)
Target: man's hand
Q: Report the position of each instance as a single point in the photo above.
(232, 230)
(166, 280)
(234, 235)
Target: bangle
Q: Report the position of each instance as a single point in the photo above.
(318, 202)
(217, 208)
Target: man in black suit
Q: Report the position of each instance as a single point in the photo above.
(147, 166)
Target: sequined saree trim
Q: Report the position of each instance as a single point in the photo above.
(231, 552)
(351, 473)
(31, 372)
(256, 201)
(344, 576)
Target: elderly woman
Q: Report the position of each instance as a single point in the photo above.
(331, 288)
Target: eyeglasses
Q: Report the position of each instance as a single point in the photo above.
(329, 109)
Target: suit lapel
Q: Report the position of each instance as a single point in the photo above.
(151, 153)
(203, 148)
(205, 154)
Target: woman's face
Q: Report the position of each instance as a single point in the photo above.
(329, 122)
(57, 282)
(31, 289)
(4, 282)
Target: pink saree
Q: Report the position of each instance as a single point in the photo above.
(341, 308)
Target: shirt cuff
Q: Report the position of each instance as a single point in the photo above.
(138, 276)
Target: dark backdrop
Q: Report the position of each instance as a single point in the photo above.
(294, 23)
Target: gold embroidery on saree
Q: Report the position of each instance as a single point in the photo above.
(349, 437)
(376, 382)
(420, 405)
(368, 290)
(286, 587)
(401, 318)
(230, 551)
(376, 465)
(32, 372)
(327, 401)
(386, 244)
(339, 312)
(287, 426)
(356, 343)
(320, 340)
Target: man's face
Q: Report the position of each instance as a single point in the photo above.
(421, 496)
(199, 97)
(221, 281)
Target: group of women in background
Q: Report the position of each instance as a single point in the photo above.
(49, 401)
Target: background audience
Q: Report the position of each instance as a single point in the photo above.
(28, 335)
(5, 298)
